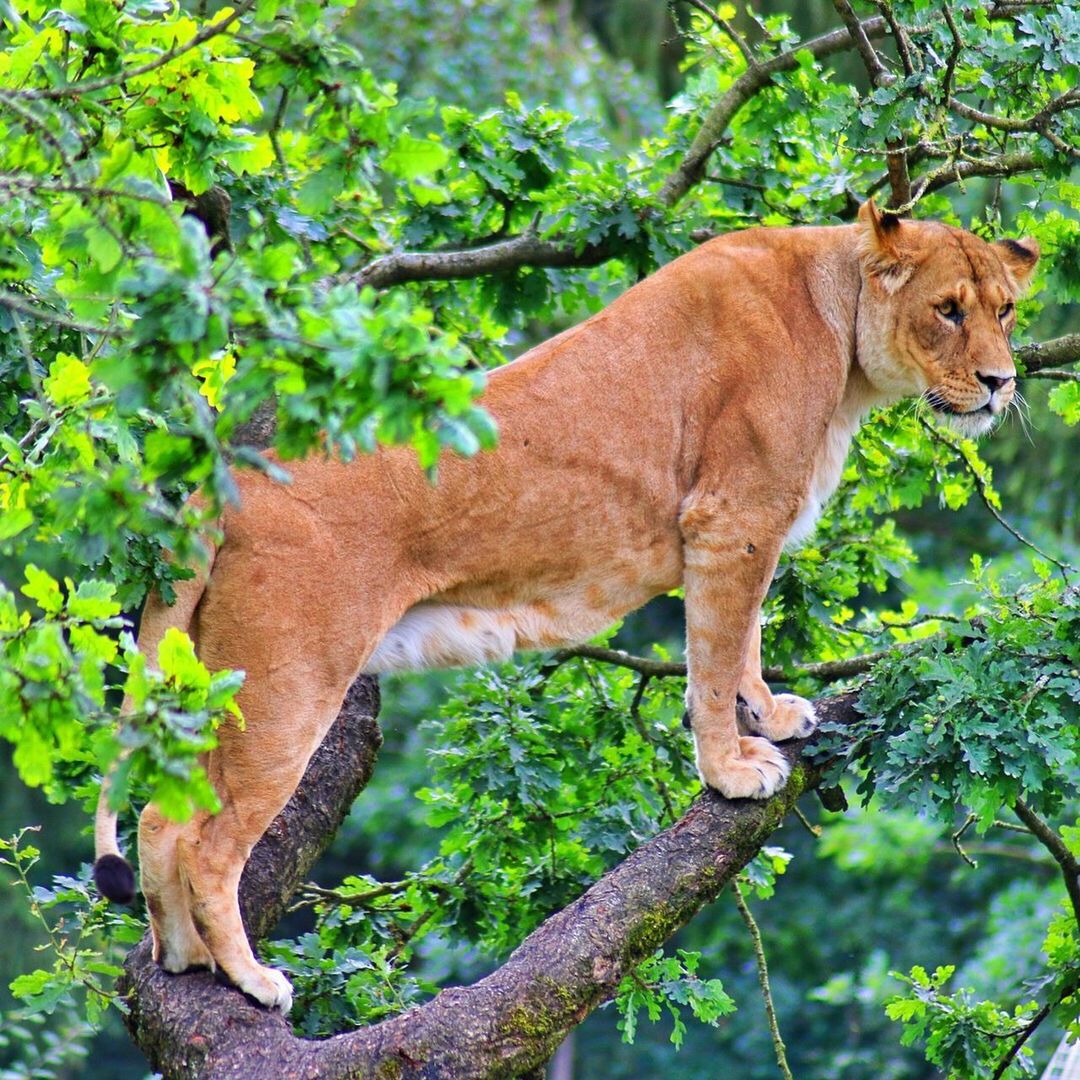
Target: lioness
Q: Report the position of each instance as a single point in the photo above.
(679, 437)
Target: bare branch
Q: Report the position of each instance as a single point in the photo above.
(954, 52)
(40, 313)
(896, 158)
(903, 45)
(826, 671)
(952, 172)
(34, 185)
(763, 981)
(1070, 100)
(525, 250)
(983, 490)
(878, 72)
(1029, 1030)
(1070, 866)
(1055, 375)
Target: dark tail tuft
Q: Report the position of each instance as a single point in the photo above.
(115, 879)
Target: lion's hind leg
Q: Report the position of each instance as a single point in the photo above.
(255, 772)
(177, 944)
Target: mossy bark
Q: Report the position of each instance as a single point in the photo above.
(506, 1024)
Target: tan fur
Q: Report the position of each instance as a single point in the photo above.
(679, 437)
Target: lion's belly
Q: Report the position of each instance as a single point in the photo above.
(486, 624)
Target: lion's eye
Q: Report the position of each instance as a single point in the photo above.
(951, 310)
(1005, 311)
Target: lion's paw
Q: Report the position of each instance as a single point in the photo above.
(758, 772)
(268, 987)
(792, 717)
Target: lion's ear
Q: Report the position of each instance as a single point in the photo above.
(1020, 258)
(881, 247)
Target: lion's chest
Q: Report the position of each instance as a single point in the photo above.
(828, 469)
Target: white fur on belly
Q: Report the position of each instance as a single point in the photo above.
(441, 636)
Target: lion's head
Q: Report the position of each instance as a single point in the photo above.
(935, 314)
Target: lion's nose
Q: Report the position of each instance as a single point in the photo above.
(994, 382)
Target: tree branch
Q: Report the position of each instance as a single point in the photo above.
(1070, 100)
(826, 670)
(1039, 355)
(763, 981)
(1070, 866)
(528, 249)
(692, 167)
(507, 1023)
(878, 72)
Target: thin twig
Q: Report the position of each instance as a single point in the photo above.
(725, 25)
(1056, 374)
(811, 828)
(958, 835)
(1011, 826)
(826, 670)
(643, 731)
(33, 185)
(763, 980)
(954, 53)
(983, 491)
(41, 314)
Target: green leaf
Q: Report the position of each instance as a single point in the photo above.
(68, 381)
(1065, 401)
(104, 248)
(44, 589)
(412, 157)
(178, 662)
(12, 522)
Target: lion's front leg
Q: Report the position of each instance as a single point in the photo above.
(776, 716)
(728, 563)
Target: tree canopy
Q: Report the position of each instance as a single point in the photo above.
(315, 227)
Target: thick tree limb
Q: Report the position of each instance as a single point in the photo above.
(504, 1025)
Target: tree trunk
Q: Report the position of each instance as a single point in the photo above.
(507, 1024)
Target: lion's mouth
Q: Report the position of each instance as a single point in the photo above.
(969, 422)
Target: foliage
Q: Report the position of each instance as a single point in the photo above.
(983, 712)
(76, 921)
(669, 982)
(195, 208)
(963, 1037)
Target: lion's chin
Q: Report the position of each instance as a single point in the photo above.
(970, 424)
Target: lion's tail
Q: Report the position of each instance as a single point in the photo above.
(113, 874)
